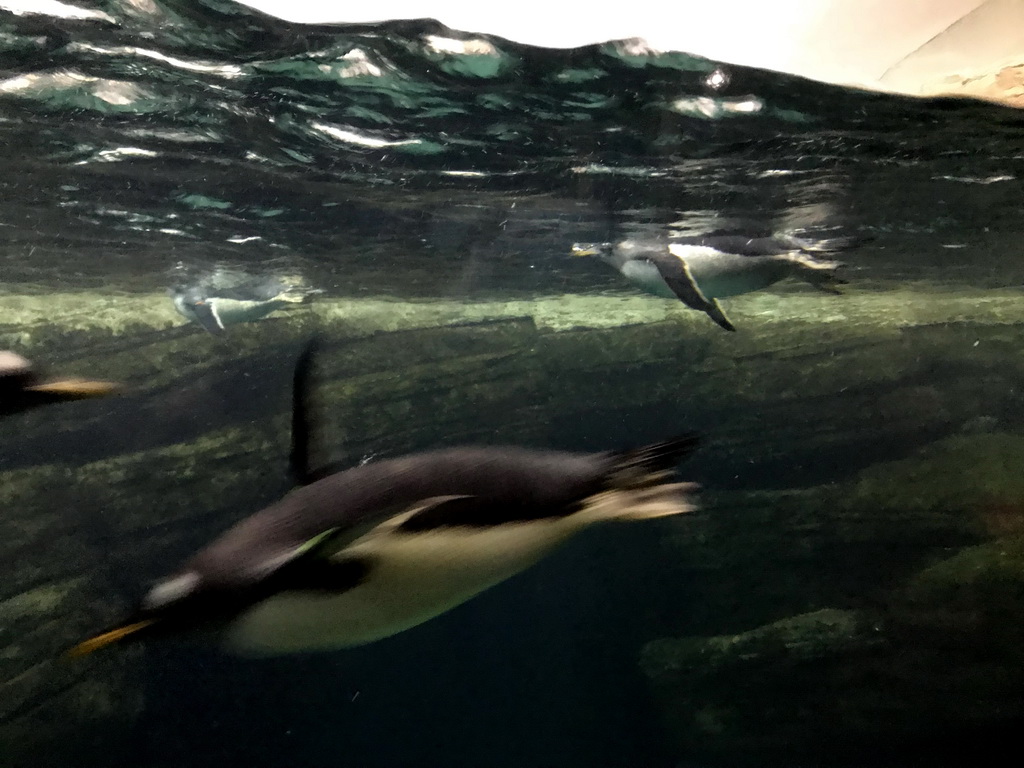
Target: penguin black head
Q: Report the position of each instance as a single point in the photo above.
(172, 605)
(188, 602)
(601, 250)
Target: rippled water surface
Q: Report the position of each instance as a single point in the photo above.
(403, 167)
(161, 132)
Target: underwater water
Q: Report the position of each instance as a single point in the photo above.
(851, 591)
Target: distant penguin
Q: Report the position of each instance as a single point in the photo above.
(225, 298)
(365, 553)
(22, 387)
(700, 270)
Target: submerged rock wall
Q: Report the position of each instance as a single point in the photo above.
(99, 497)
(920, 667)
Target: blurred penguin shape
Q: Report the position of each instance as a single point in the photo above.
(225, 297)
(354, 556)
(22, 387)
(700, 270)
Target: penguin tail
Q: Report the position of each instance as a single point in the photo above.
(641, 484)
(298, 295)
(648, 464)
(819, 273)
(823, 245)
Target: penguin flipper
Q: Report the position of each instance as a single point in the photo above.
(300, 464)
(716, 313)
(299, 564)
(450, 511)
(677, 276)
(206, 315)
(335, 575)
(298, 460)
(468, 511)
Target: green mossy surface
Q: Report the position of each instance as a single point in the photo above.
(962, 472)
(937, 651)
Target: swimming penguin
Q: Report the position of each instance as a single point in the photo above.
(700, 270)
(225, 298)
(22, 387)
(365, 553)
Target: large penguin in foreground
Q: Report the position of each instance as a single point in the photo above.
(365, 553)
(23, 386)
(700, 270)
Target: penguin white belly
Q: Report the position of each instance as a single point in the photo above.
(232, 311)
(719, 275)
(644, 274)
(412, 578)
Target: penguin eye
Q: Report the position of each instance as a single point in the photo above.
(170, 591)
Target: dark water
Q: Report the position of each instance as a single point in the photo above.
(158, 139)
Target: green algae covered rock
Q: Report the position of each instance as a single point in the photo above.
(961, 472)
(821, 634)
(931, 661)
